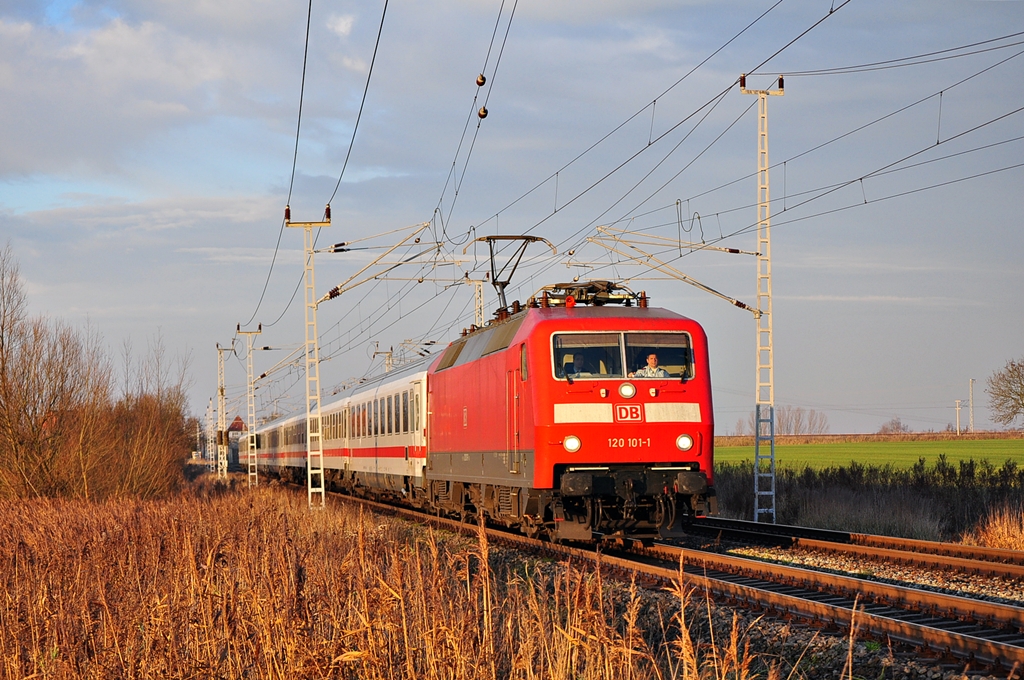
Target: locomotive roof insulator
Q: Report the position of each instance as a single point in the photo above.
(480, 80)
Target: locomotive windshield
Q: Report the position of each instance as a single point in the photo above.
(603, 355)
(588, 355)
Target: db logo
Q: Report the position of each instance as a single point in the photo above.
(629, 412)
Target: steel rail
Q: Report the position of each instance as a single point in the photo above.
(906, 615)
(952, 556)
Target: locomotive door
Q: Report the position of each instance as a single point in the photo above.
(513, 417)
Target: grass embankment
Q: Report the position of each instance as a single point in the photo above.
(941, 499)
(253, 584)
(256, 585)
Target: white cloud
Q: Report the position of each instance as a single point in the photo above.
(341, 25)
(119, 56)
(355, 65)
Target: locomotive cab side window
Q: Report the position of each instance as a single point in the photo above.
(674, 352)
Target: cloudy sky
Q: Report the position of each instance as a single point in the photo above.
(147, 156)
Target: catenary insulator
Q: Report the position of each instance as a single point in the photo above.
(480, 80)
(743, 81)
(482, 112)
(782, 85)
(327, 213)
(287, 213)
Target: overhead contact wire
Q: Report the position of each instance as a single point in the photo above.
(291, 182)
(490, 88)
(362, 103)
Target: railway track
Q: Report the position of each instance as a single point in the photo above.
(965, 630)
(974, 560)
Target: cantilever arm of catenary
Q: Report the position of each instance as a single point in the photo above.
(289, 360)
(655, 240)
(348, 284)
(656, 264)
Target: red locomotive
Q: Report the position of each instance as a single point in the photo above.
(582, 413)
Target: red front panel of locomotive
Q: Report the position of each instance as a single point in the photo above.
(618, 386)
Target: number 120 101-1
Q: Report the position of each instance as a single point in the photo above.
(628, 442)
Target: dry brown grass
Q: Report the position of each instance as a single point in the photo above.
(1004, 528)
(255, 585)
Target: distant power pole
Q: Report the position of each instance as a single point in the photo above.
(389, 358)
(222, 422)
(211, 440)
(478, 299)
(250, 423)
(972, 406)
(764, 414)
(959, 405)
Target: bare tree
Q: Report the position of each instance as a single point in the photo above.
(789, 420)
(61, 431)
(894, 426)
(1006, 393)
(817, 422)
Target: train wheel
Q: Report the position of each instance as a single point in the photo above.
(595, 513)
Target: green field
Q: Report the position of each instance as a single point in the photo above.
(899, 454)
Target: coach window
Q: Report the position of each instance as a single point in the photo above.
(674, 352)
(587, 355)
(405, 411)
(389, 416)
(522, 361)
(398, 414)
(418, 425)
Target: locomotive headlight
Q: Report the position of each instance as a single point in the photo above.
(684, 442)
(627, 390)
(572, 443)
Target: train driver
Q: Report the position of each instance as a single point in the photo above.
(651, 370)
(581, 363)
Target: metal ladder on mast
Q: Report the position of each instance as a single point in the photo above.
(314, 441)
(764, 463)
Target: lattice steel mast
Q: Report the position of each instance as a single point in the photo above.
(764, 409)
(211, 441)
(250, 421)
(314, 440)
(222, 426)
